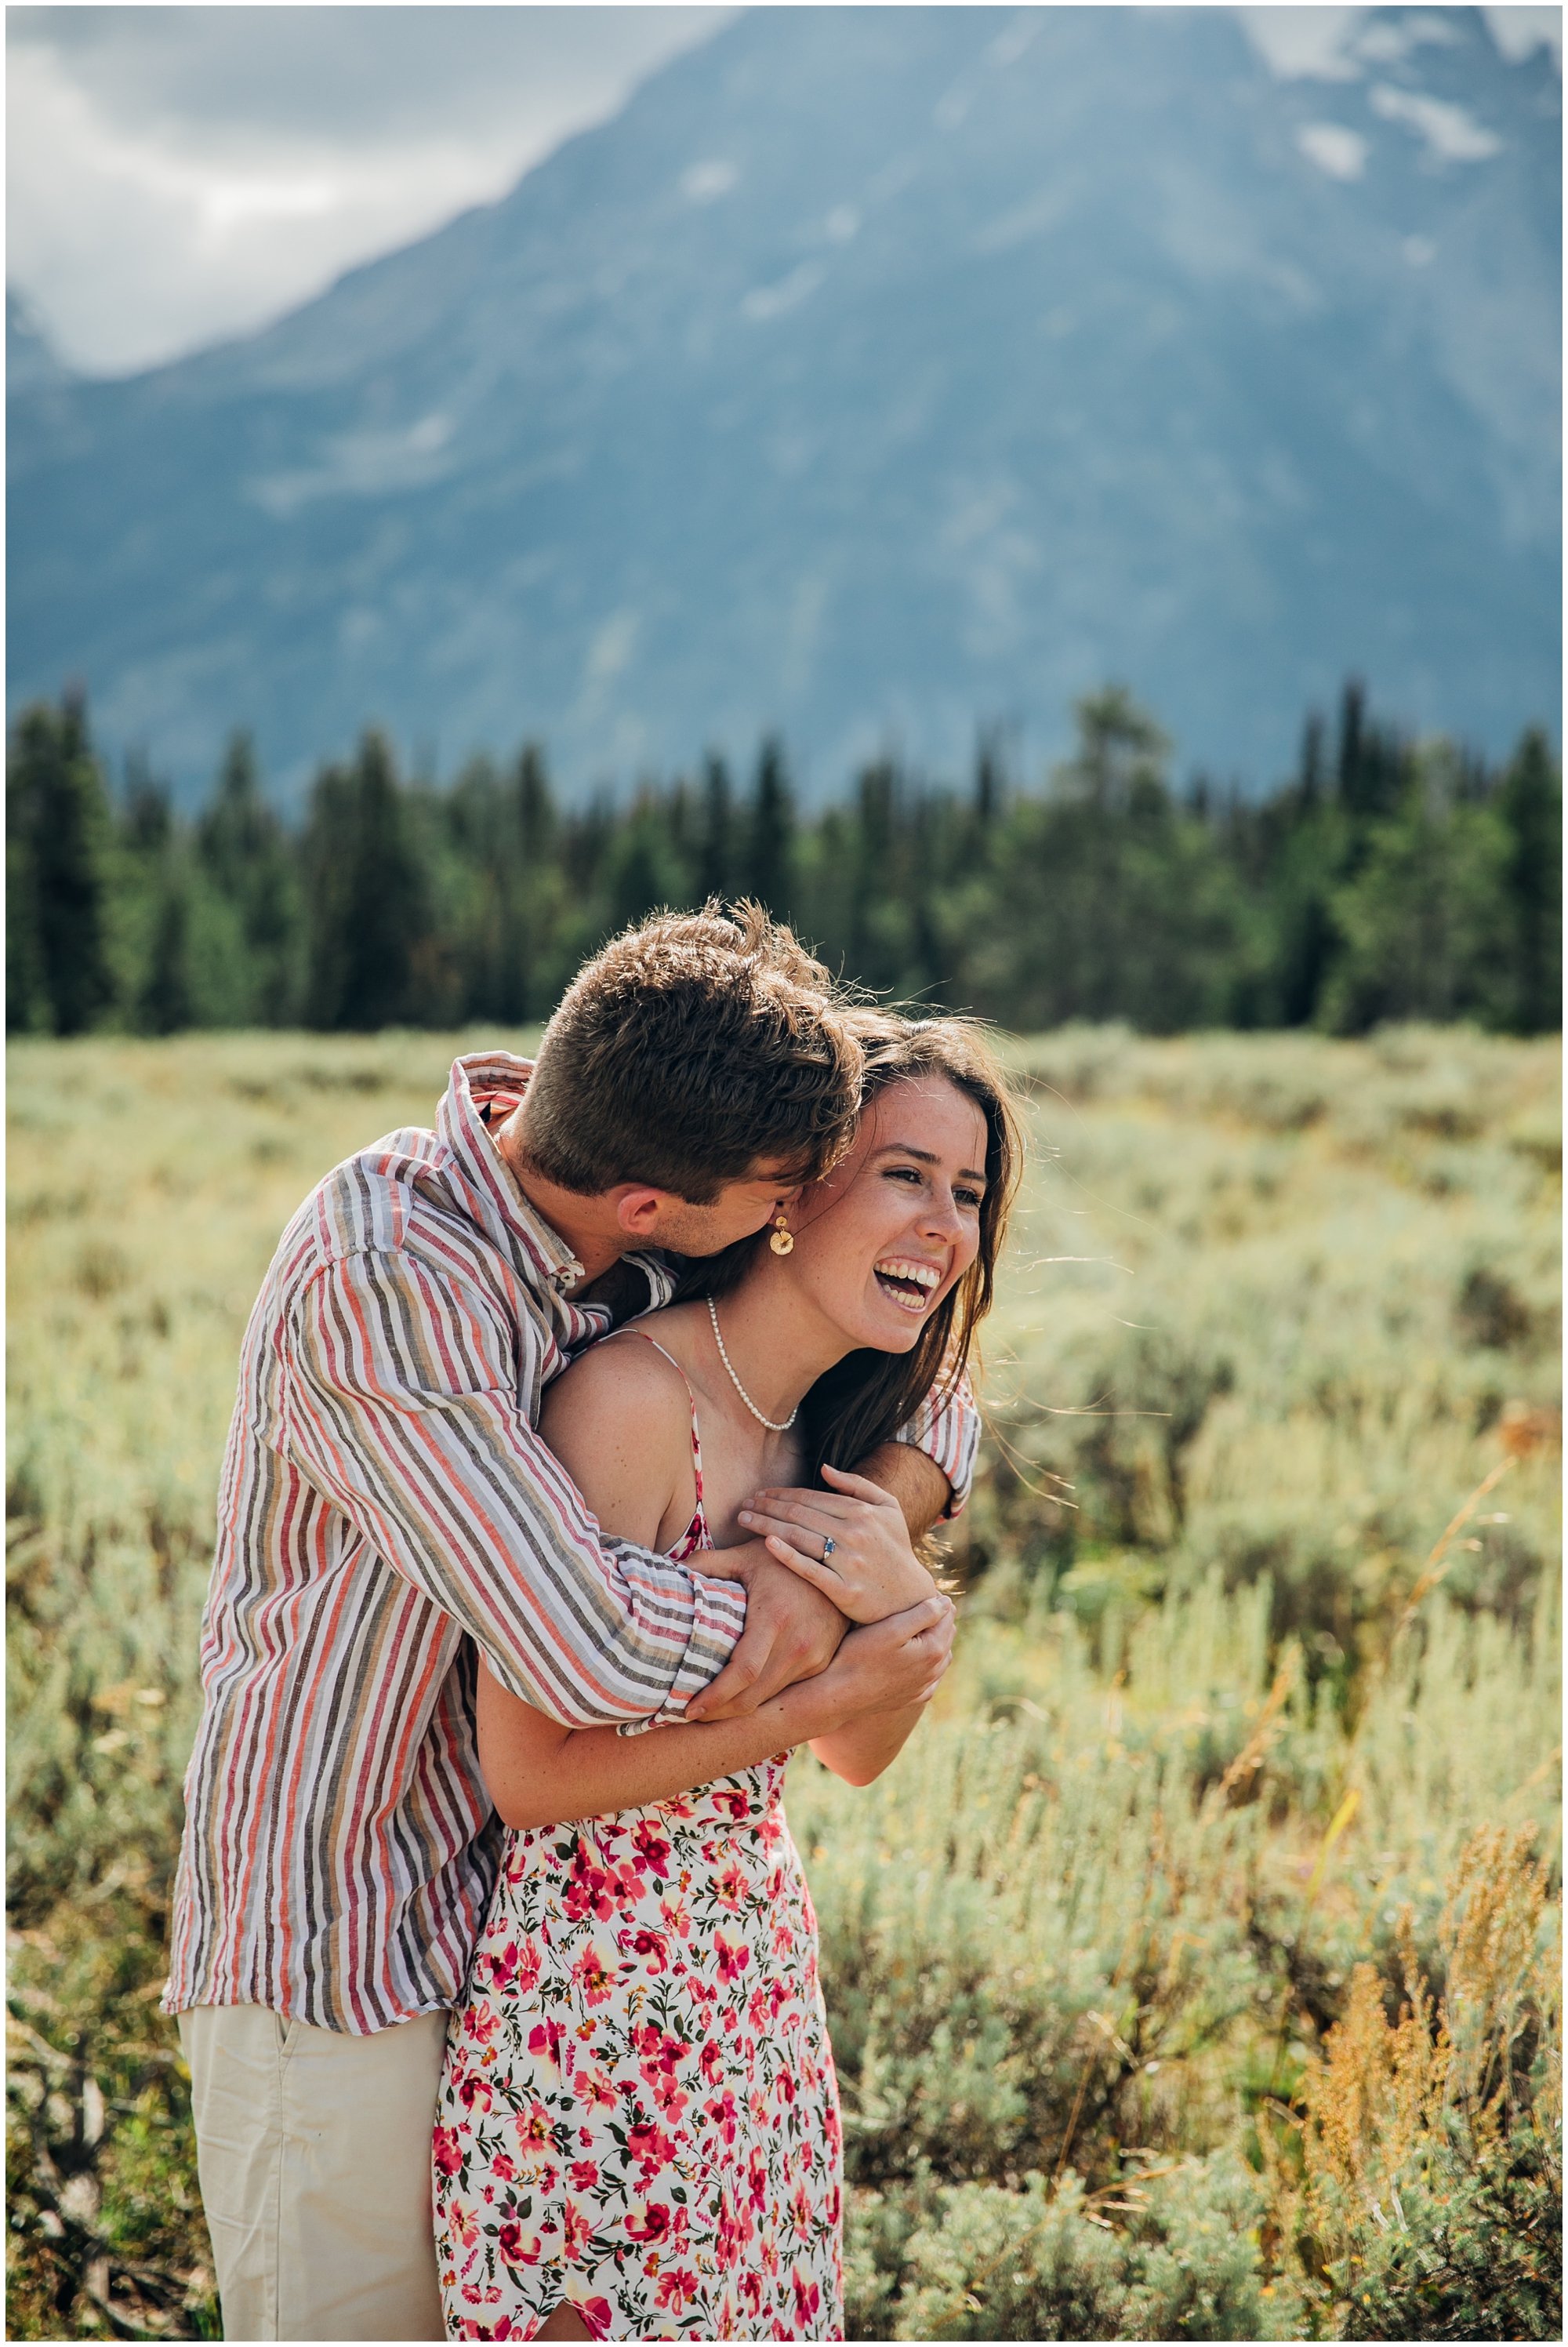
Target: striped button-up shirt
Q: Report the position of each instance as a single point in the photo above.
(386, 1510)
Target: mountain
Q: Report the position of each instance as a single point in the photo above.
(876, 372)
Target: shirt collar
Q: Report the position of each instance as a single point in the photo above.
(493, 1082)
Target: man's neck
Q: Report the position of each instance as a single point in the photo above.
(588, 1225)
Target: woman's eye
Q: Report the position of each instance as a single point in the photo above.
(968, 1198)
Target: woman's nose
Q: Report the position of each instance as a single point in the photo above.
(941, 1218)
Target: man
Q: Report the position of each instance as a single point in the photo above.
(386, 1508)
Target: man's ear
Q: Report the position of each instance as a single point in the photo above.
(637, 1209)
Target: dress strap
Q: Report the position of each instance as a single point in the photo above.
(696, 1437)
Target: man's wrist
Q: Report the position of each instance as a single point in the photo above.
(915, 1480)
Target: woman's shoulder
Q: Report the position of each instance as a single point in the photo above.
(626, 1373)
(619, 1421)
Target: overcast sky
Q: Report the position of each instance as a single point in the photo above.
(179, 174)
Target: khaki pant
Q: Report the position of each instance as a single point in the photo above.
(313, 2153)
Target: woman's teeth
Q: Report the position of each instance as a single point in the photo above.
(910, 1283)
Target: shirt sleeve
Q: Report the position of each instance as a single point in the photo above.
(947, 1428)
(402, 1410)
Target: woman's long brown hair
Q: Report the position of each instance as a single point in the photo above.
(865, 1399)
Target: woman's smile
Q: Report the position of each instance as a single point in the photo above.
(911, 1282)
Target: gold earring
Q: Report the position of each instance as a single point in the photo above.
(783, 1239)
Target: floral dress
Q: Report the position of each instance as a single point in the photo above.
(638, 2114)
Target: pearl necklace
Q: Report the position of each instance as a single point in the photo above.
(773, 1424)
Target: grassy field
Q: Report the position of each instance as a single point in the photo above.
(1193, 1975)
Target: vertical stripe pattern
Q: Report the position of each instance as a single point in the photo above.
(386, 1508)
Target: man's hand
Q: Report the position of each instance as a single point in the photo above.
(792, 1633)
(891, 1664)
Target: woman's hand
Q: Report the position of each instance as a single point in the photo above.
(887, 1665)
(870, 1571)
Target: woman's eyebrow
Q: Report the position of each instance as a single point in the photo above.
(926, 1157)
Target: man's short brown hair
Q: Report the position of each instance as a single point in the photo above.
(690, 1050)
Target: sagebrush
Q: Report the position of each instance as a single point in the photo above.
(1192, 1974)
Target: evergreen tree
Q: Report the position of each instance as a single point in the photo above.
(1422, 921)
(165, 1002)
(366, 896)
(57, 877)
(1531, 805)
(716, 859)
(244, 852)
(768, 870)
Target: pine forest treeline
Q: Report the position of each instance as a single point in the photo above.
(1386, 879)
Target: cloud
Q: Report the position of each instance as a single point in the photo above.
(178, 174)
(1341, 153)
(1453, 136)
(1335, 44)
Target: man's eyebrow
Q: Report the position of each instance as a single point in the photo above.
(926, 1157)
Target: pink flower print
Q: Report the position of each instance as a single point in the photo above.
(736, 2229)
(589, 1891)
(593, 1977)
(733, 1960)
(575, 2230)
(677, 2288)
(721, 2111)
(752, 2292)
(650, 1948)
(515, 2248)
(769, 1828)
(668, 2096)
(735, 1801)
(711, 2062)
(480, 2022)
(447, 2151)
(534, 2125)
(497, 1965)
(545, 2040)
(784, 1940)
(807, 2299)
(596, 2314)
(757, 2178)
(594, 2087)
(677, 1916)
(651, 1847)
(757, 2007)
(505, 2167)
(462, 2223)
(649, 2145)
(800, 2212)
(584, 2174)
(730, 1887)
(474, 2092)
(786, 2086)
(651, 2226)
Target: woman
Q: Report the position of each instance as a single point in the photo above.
(638, 2133)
